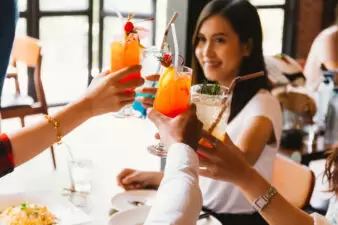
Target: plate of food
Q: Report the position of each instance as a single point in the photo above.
(138, 216)
(132, 199)
(41, 208)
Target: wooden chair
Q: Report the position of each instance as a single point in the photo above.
(293, 181)
(28, 51)
(298, 102)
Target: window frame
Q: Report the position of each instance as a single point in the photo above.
(110, 13)
(290, 8)
(33, 14)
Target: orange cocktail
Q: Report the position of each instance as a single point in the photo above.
(173, 94)
(124, 55)
(172, 97)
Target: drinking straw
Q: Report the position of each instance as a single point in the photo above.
(121, 20)
(164, 39)
(230, 90)
(175, 46)
(171, 21)
(69, 150)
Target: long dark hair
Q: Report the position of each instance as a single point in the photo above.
(337, 13)
(246, 23)
(331, 171)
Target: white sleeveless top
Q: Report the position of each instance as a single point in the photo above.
(224, 197)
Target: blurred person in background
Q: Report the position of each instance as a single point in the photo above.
(8, 19)
(323, 55)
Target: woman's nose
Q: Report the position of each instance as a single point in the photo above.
(208, 50)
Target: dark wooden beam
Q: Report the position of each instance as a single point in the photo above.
(290, 27)
(329, 11)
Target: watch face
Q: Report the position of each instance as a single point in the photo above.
(260, 203)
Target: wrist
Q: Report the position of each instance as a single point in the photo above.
(82, 108)
(253, 185)
(245, 179)
(189, 143)
(157, 178)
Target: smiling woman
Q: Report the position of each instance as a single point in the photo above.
(227, 45)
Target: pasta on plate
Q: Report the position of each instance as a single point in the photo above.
(27, 214)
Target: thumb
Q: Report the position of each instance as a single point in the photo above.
(129, 179)
(156, 117)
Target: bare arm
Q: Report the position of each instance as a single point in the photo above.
(32, 140)
(279, 211)
(258, 133)
(228, 164)
(105, 94)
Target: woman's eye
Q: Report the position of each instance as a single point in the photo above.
(201, 39)
(220, 40)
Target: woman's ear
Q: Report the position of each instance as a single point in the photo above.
(247, 48)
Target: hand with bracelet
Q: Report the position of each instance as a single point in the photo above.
(105, 94)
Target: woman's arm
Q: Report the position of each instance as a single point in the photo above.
(256, 135)
(279, 211)
(32, 140)
(105, 94)
(227, 163)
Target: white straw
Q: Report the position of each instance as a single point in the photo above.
(173, 28)
(121, 19)
(69, 151)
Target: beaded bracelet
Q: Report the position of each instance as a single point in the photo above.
(56, 125)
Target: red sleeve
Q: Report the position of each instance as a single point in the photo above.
(6, 156)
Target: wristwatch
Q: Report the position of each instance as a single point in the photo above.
(261, 202)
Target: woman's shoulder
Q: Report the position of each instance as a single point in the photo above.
(264, 104)
(264, 98)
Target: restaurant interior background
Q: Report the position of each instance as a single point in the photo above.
(75, 36)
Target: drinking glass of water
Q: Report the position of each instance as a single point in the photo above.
(81, 174)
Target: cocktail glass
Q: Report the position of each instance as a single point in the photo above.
(123, 55)
(150, 65)
(172, 97)
(212, 110)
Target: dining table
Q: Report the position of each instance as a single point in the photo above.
(110, 143)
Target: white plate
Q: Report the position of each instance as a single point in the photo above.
(124, 201)
(65, 211)
(137, 216)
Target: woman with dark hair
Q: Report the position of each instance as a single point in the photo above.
(324, 51)
(227, 44)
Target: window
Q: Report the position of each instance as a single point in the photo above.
(143, 10)
(272, 15)
(278, 21)
(75, 38)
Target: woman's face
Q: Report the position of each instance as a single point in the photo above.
(219, 50)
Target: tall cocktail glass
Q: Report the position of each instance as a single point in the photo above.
(172, 97)
(123, 55)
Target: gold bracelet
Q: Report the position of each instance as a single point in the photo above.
(56, 125)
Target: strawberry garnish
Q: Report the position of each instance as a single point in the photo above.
(129, 27)
(165, 60)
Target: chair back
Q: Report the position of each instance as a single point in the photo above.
(28, 51)
(293, 181)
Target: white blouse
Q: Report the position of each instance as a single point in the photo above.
(224, 197)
